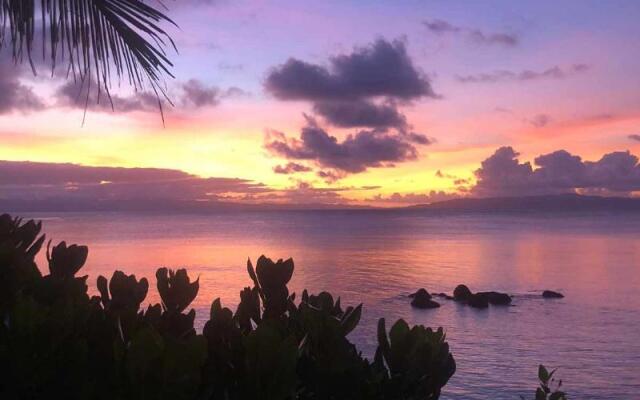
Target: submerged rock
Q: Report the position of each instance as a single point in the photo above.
(550, 294)
(496, 298)
(462, 293)
(422, 299)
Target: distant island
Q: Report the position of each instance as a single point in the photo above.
(543, 203)
(551, 203)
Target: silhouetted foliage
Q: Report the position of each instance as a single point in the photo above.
(56, 341)
(545, 390)
(91, 39)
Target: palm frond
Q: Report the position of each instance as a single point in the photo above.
(94, 39)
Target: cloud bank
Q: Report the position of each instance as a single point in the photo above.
(502, 174)
(73, 187)
(432, 196)
(41, 181)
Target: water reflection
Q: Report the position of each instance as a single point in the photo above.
(378, 258)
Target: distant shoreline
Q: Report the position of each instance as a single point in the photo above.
(526, 204)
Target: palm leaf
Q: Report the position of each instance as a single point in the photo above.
(97, 40)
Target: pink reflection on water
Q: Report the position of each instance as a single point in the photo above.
(379, 259)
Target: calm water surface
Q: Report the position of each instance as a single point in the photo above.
(378, 257)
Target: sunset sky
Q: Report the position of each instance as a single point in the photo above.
(379, 103)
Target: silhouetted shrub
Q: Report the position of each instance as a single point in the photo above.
(57, 342)
(545, 390)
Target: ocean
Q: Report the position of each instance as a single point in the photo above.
(378, 257)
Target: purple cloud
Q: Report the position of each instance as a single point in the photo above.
(359, 113)
(42, 181)
(79, 94)
(54, 186)
(383, 69)
(359, 151)
(441, 27)
(192, 94)
(361, 89)
(331, 176)
(635, 137)
(197, 94)
(555, 72)
(37, 173)
(502, 174)
(418, 138)
(291, 168)
(14, 95)
(432, 196)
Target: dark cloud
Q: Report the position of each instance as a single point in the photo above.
(71, 186)
(503, 174)
(441, 27)
(357, 152)
(635, 137)
(192, 94)
(361, 113)
(197, 94)
(79, 94)
(383, 69)
(361, 89)
(291, 168)
(555, 72)
(418, 138)
(14, 95)
(330, 176)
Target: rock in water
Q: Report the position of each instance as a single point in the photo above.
(478, 301)
(550, 294)
(420, 293)
(461, 293)
(497, 298)
(424, 303)
(422, 299)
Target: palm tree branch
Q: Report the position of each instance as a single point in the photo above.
(98, 38)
